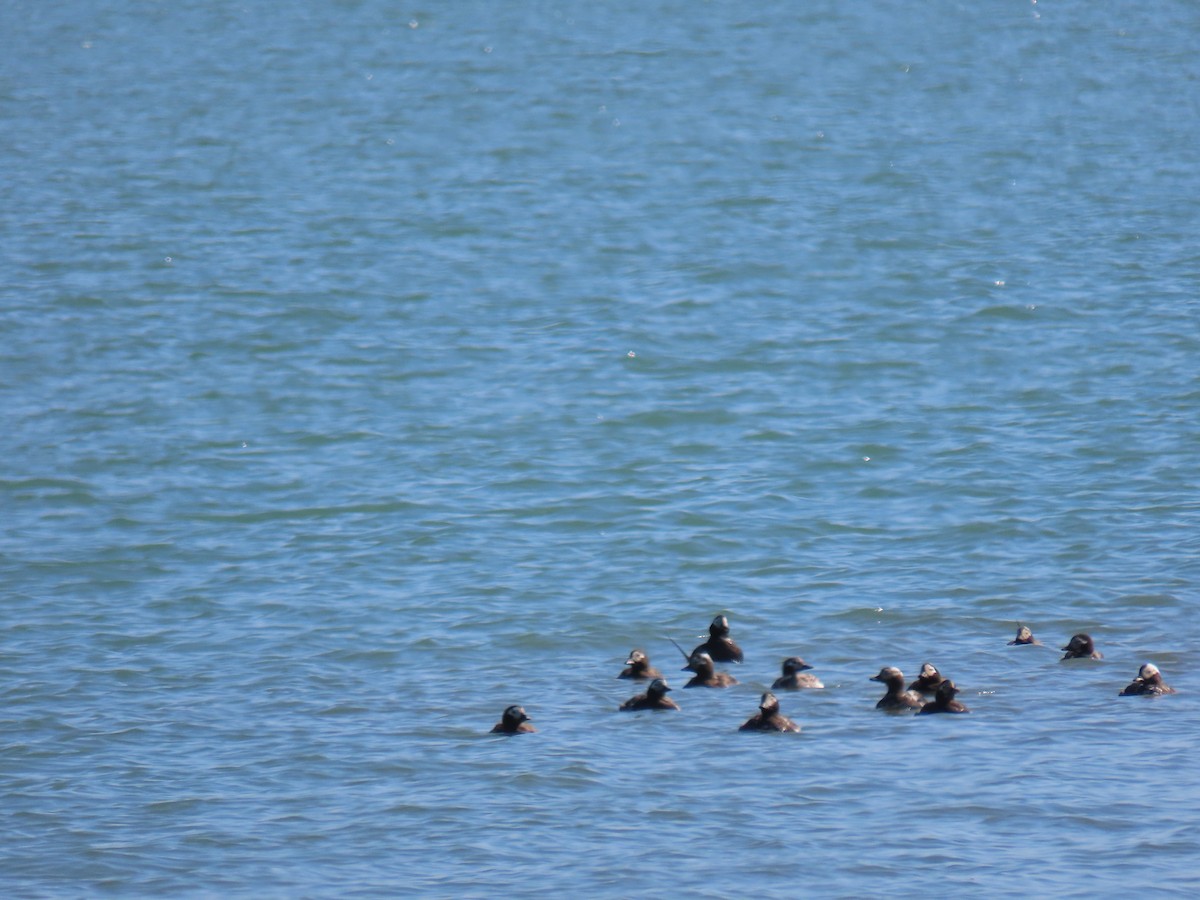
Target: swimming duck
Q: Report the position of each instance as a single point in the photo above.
(719, 645)
(654, 698)
(1149, 682)
(944, 702)
(794, 678)
(768, 717)
(706, 674)
(897, 698)
(638, 667)
(514, 721)
(928, 681)
(1024, 636)
(1081, 646)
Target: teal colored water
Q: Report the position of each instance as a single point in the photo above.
(367, 369)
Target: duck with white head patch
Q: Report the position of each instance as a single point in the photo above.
(706, 674)
(928, 681)
(1149, 683)
(1024, 636)
(897, 699)
(638, 667)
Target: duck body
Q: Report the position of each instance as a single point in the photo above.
(720, 645)
(1081, 646)
(706, 674)
(897, 699)
(795, 678)
(928, 681)
(1149, 683)
(514, 721)
(944, 702)
(638, 667)
(1024, 636)
(654, 698)
(769, 718)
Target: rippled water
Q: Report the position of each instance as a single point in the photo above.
(367, 369)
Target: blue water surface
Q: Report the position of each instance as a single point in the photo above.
(369, 368)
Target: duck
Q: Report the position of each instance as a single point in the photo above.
(1149, 682)
(944, 702)
(768, 717)
(928, 681)
(794, 678)
(1024, 636)
(514, 721)
(897, 699)
(638, 667)
(654, 698)
(1081, 646)
(706, 673)
(719, 645)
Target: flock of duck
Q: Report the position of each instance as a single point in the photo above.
(720, 647)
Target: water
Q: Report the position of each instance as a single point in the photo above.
(368, 369)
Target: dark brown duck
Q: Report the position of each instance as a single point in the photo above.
(897, 699)
(768, 717)
(1081, 646)
(638, 667)
(706, 673)
(794, 677)
(720, 645)
(654, 698)
(514, 721)
(944, 702)
(928, 681)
